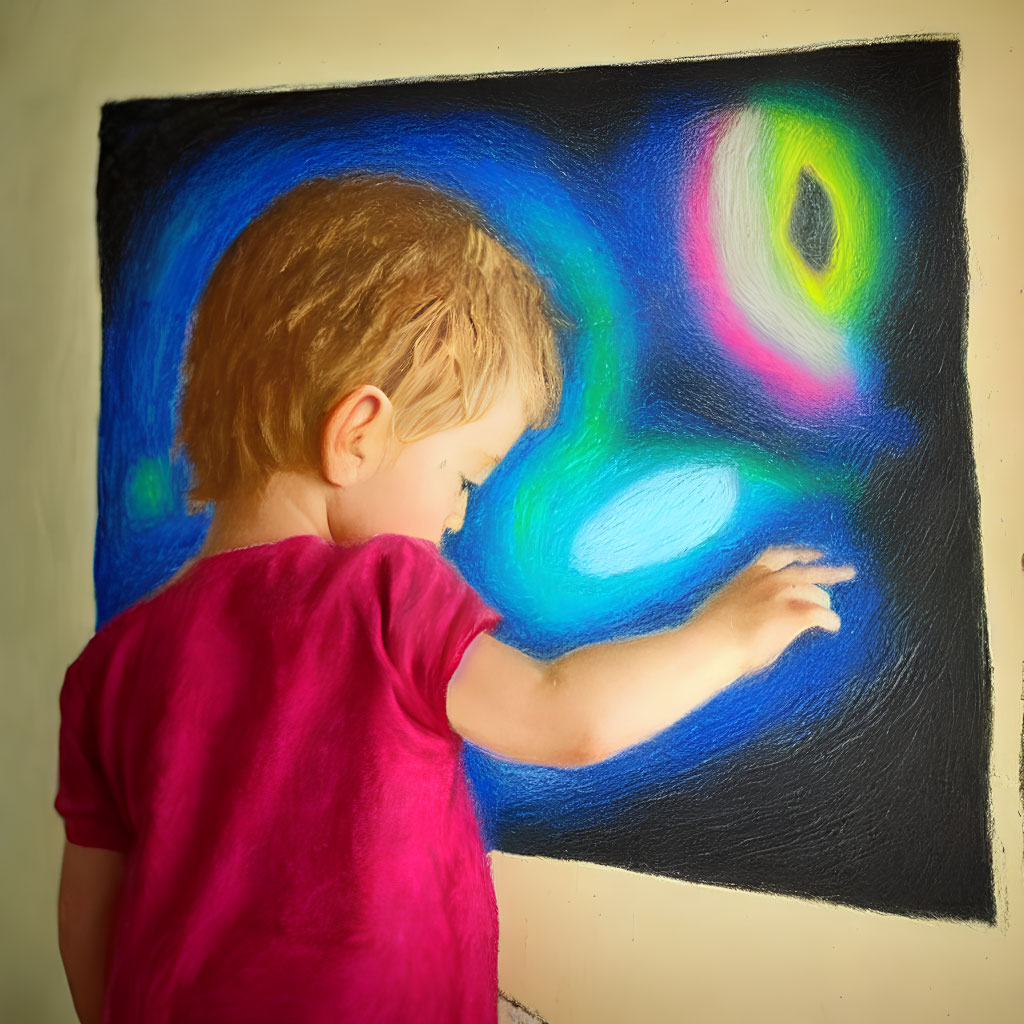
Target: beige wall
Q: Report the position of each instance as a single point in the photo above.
(579, 943)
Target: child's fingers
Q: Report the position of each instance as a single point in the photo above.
(816, 575)
(777, 558)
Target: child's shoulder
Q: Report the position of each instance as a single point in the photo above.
(119, 629)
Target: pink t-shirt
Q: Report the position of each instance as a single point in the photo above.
(266, 739)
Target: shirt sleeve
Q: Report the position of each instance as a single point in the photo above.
(431, 616)
(84, 799)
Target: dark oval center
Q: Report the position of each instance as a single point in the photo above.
(812, 224)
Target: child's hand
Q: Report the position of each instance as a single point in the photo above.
(764, 608)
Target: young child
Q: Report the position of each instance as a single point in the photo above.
(260, 776)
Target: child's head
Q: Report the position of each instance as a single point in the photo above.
(348, 282)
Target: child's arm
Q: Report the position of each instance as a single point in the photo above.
(598, 700)
(90, 883)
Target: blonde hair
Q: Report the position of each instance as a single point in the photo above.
(350, 281)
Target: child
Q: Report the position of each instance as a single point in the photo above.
(260, 777)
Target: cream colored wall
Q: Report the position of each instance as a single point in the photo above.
(581, 944)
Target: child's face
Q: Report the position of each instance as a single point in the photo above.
(421, 488)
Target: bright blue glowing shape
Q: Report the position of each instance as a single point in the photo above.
(655, 519)
(551, 606)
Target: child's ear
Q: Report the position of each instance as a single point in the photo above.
(356, 436)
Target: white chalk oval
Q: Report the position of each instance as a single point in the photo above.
(656, 519)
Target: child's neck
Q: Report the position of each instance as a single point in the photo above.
(290, 505)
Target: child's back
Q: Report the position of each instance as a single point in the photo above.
(268, 734)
